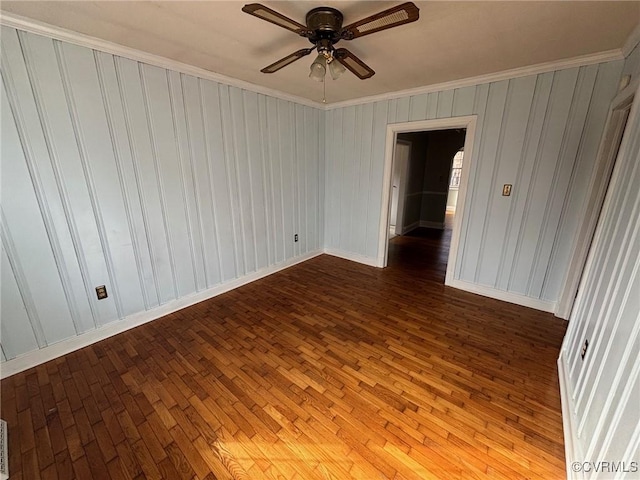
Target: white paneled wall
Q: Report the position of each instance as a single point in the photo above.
(151, 182)
(601, 393)
(539, 133)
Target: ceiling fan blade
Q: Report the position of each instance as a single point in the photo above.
(393, 17)
(265, 13)
(283, 62)
(353, 63)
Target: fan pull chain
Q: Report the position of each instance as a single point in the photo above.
(324, 90)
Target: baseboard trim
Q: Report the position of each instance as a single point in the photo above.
(435, 225)
(510, 297)
(568, 425)
(51, 352)
(354, 257)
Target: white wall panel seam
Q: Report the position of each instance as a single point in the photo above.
(250, 172)
(194, 186)
(612, 288)
(298, 126)
(234, 160)
(208, 164)
(632, 379)
(479, 104)
(371, 156)
(121, 179)
(62, 190)
(518, 178)
(550, 198)
(88, 175)
(536, 166)
(41, 199)
(226, 154)
(159, 180)
(554, 182)
(504, 120)
(633, 448)
(271, 163)
(305, 176)
(595, 304)
(280, 149)
(356, 190)
(138, 182)
(182, 158)
(21, 281)
(262, 119)
(600, 257)
(574, 171)
(626, 359)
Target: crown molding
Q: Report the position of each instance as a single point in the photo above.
(632, 41)
(62, 34)
(40, 28)
(580, 61)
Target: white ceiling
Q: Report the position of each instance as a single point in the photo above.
(450, 41)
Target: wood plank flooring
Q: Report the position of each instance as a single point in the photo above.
(328, 370)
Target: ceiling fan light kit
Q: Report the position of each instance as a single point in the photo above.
(324, 29)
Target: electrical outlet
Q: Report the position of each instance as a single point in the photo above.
(101, 292)
(506, 190)
(295, 237)
(584, 349)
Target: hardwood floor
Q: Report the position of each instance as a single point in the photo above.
(328, 370)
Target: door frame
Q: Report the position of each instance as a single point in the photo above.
(608, 152)
(467, 122)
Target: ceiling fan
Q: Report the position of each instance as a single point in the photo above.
(324, 29)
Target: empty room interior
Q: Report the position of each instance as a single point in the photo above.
(320, 240)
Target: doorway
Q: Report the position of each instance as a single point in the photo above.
(396, 132)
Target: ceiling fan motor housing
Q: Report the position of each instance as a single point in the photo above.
(324, 23)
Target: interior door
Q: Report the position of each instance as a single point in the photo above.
(399, 184)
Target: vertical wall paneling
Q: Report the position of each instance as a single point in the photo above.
(488, 147)
(463, 101)
(59, 122)
(191, 214)
(199, 150)
(601, 391)
(417, 107)
(275, 175)
(20, 110)
(445, 104)
(536, 133)
(121, 149)
(479, 108)
(256, 184)
(604, 88)
(20, 328)
(267, 181)
(432, 106)
(520, 199)
(229, 251)
(156, 184)
(376, 174)
(561, 183)
(508, 159)
(243, 178)
(148, 189)
(95, 145)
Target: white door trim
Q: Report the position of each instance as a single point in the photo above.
(467, 122)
